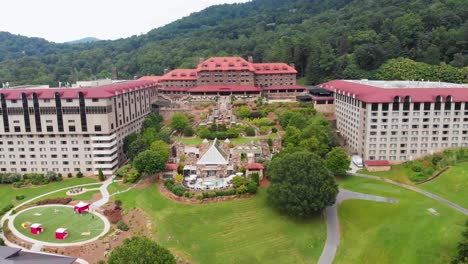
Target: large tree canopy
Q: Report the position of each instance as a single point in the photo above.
(338, 161)
(301, 185)
(150, 162)
(141, 250)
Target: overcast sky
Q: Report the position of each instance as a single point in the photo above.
(66, 20)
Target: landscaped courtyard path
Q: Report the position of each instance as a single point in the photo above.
(333, 226)
(37, 245)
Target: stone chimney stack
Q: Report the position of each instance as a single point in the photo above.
(250, 59)
(293, 65)
(201, 60)
(115, 74)
(166, 71)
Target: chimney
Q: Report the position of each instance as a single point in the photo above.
(166, 71)
(115, 74)
(293, 65)
(201, 60)
(250, 59)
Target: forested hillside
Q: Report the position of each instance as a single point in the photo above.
(325, 39)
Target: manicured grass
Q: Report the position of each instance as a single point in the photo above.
(242, 231)
(404, 232)
(117, 187)
(64, 217)
(398, 173)
(87, 196)
(243, 140)
(8, 194)
(451, 185)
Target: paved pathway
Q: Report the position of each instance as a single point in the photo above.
(37, 246)
(412, 188)
(105, 194)
(333, 226)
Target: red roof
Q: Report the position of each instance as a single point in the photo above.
(377, 163)
(171, 166)
(225, 88)
(255, 166)
(273, 68)
(225, 64)
(106, 91)
(150, 78)
(285, 87)
(180, 75)
(373, 94)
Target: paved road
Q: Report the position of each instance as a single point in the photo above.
(412, 188)
(333, 225)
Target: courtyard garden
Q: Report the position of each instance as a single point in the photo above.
(80, 227)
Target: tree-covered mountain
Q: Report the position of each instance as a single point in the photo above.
(325, 39)
(83, 40)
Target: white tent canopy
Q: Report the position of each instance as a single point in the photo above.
(82, 204)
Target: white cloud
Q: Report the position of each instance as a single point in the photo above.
(65, 20)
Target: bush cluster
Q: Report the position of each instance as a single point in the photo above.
(217, 131)
(122, 226)
(426, 167)
(114, 216)
(5, 209)
(176, 189)
(54, 201)
(20, 197)
(19, 180)
(128, 173)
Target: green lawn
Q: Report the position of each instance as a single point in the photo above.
(64, 217)
(117, 187)
(452, 184)
(189, 141)
(81, 197)
(404, 232)
(398, 173)
(243, 231)
(8, 194)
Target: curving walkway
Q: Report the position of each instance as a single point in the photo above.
(414, 189)
(333, 225)
(37, 245)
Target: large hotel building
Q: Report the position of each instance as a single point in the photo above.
(400, 120)
(231, 76)
(67, 130)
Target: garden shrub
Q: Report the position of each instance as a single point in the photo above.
(20, 197)
(79, 174)
(61, 200)
(69, 175)
(252, 187)
(417, 176)
(122, 226)
(5, 209)
(274, 130)
(114, 216)
(241, 189)
(188, 132)
(255, 177)
(18, 184)
(199, 197)
(2, 242)
(264, 130)
(249, 131)
(417, 167)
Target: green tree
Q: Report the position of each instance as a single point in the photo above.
(179, 122)
(338, 161)
(178, 178)
(129, 140)
(137, 147)
(138, 250)
(150, 162)
(243, 112)
(160, 147)
(101, 175)
(301, 185)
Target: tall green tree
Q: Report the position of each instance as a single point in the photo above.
(301, 185)
(338, 161)
(150, 162)
(179, 122)
(141, 250)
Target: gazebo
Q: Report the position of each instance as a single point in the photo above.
(81, 207)
(61, 233)
(36, 229)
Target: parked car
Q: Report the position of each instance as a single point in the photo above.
(357, 160)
